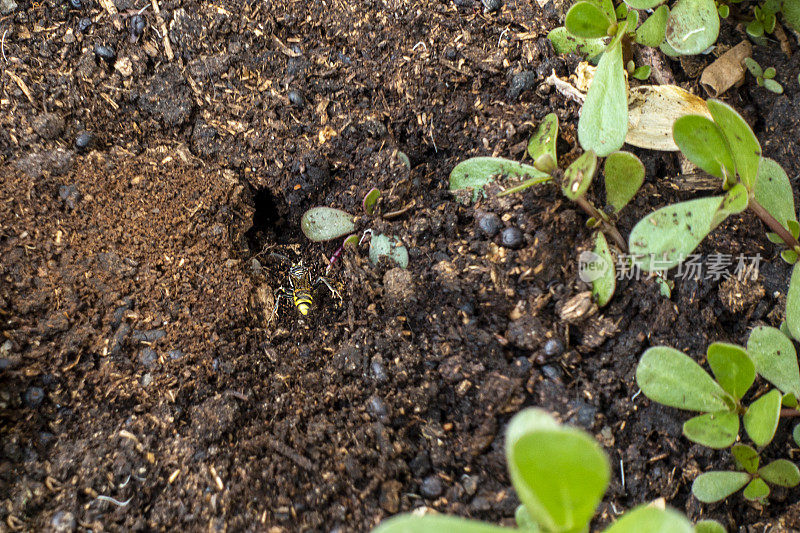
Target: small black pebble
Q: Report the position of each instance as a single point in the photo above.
(34, 396)
(296, 98)
(76, 4)
(378, 371)
(490, 6)
(490, 224)
(520, 83)
(63, 522)
(83, 141)
(431, 487)
(551, 372)
(69, 194)
(511, 237)
(136, 26)
(148, 356)
(377, 408)
(84, 24)
(553, 348)
(450, 53)
(105, 53)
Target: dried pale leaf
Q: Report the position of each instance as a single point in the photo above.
(728, 69)
(652, 109)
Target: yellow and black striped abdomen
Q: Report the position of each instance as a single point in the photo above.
(303, 299)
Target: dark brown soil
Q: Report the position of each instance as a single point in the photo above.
(136, 361)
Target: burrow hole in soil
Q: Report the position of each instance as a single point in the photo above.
(269, 222)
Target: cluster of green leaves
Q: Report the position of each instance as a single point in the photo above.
(727, 148)
(765, 18)
(560, 474)
(327, 223)
(669, 377)
(690, 27)
(764, 78)
(623, 172)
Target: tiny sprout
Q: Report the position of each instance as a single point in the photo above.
(764, 78)
(371, 201)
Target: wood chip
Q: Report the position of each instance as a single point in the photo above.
(728, 70)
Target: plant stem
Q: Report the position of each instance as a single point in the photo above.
(790, 413)
(774, 225)
(608, 227)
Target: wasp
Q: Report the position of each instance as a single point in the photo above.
(301, 290)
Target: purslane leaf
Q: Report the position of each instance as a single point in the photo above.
(715, 430)
(559, 473)
(692, 26)
(743, 143)
(667, 376)
(666, 237)
(704, 144)
(624, 175)
(762, 416)
(717, 485)
(775, 358)
(734, 370)
(603, 122)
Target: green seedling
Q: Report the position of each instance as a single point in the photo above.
(726, 148)
(387, 246)
(599, 31)
(764, 78)
(669, 377)
(560, 474)
(326, 223)
(623, 171)
(764, 19)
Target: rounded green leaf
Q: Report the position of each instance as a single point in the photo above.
(587, 20)
(643, 4)
(756, 490)
(753, 67)
(544, 140)
(789, 400)
(762, 416)
(651, 519)
(796, 434)
(692, 26)
(653, 30)
(326, 223)
(770, 72)
(578, 175)
(709, 526)
(791, 14)
(371, 200)
(642, 73)
(476, 172)
(566, 43)
(793, 307)
(775, 358)
(409, 523)
(603, 122)
(704, 144)
(669, 377)
(772, 85)
(559, 473)
(624, 174)
(715, 430)
(732, 367)
(386, 246)
(605, 283)
(715, 486)
(742, 141)
(666, 237)
(746, 457)
(774, 191)
(780, 472)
